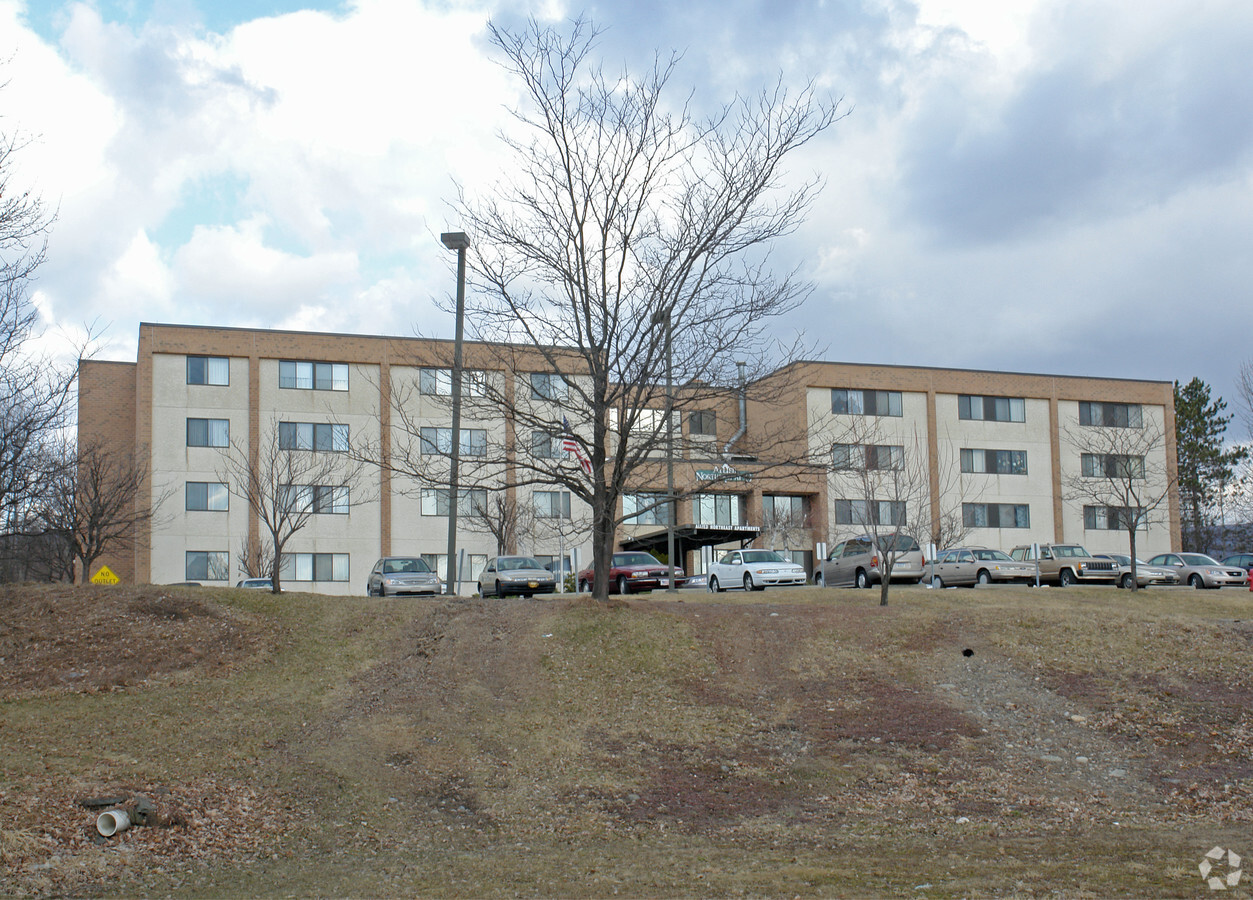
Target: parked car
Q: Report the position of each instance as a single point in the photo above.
(1145, 574)
(696, 582)
(522, 575)
(394, 575)
(1201, 571)
(258, 584)
(858, 561)
(631, 572)
(976, 565)
(1243, 560)
(754, 570)
(1066, 564)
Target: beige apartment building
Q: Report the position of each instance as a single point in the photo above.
(986, 458)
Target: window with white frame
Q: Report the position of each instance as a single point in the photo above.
(470, 501)
(718, 509)
(993, 462)
(215, 370)
(784, 508)
(210, 496)
(474, 564)
(207, 565)
(991, 409)
(314, 567)
(208, 432)
(319, 499)
(647, 508)
(438, 441)
(996, 515)
(1112, 465)
(856, 402)
(548, 386)
(327, 437)
(312, 376)
(873, 512)
(546, 446)
(870, 457)
(552, 504)
(1109, 518)
(438, 382)
(1111, 415)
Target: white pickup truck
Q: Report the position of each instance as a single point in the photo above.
(754, 570)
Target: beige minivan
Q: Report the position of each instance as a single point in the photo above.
(859, 563)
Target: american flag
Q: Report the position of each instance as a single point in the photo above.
(570, 445)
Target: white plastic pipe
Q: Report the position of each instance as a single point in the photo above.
(111, 822)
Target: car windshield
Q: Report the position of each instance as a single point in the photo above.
(762, 556)
(1198, 559)
(507, 563)
(402, 565)
(991, 554)
(634, 559)
(1069, 550)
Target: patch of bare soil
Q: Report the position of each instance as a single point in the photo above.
(88, 638)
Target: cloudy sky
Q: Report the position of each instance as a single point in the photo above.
(1038, 185)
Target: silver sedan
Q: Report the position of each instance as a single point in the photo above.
(1201, 571)
(522, 575)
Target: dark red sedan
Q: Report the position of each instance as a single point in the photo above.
(633, 572)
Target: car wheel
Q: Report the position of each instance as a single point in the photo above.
(985, 577)
(584, 587)
(818, 580)
(1066, 578)
(714, 587)
(937, 581)
(1127, 582)
(748, 582)
(1196, 582)
(622, 584)
(862, 580)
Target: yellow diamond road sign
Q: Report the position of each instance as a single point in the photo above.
(104, 576)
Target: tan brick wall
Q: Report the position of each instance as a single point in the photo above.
(106, 415)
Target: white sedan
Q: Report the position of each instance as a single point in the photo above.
(755, 570)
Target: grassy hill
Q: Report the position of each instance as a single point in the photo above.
(802, 742)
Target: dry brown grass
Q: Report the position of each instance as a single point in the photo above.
(801, 742)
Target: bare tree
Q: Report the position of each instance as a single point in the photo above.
(288, 483)
(882, 488)
(96, 500)
(502, 515)
(633, 242)
(1122, 479)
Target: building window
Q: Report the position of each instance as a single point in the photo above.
(1111, 415)
(874, 512)
(474, 565)
(314, 567)
(870, 457)
(702, 422)
(208, 370)
(548, 386)
(315, 376)
(991, 409)
(994, 462)
(470, 501)
(1112, 465)
(321, 499)
(846, 401)
(438, 441)
(552, 504)
(783, 507)
(321, 436)
(208, 432)
(438, 382)
(996, 515)
(1108, 518)
(718, 509)
(207, 565)
(545, 446)
(646, 509)
(207, 495)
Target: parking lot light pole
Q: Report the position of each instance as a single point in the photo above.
(664, 317)
(456, 240)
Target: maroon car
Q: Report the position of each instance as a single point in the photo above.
(632, 572)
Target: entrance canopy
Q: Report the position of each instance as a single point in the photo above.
(692, 537)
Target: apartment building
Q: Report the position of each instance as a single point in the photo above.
(988, 457)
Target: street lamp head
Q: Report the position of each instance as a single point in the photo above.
(455, 240)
